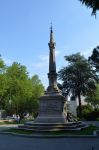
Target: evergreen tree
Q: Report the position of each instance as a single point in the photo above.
(94, 58)
(94, 4)
(78, 77)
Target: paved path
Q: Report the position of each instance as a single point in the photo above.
(8, 142)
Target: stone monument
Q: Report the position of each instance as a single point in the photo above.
(52, 102)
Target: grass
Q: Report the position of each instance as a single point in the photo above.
(19, 131)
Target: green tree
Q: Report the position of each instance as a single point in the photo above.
(23, 92)
(3, 82)
(86, 110)
(19, 90)
(37, 90)
(93, 98)
(2, 65)
(94, 4)
(78, 77)
(62, 89)
(94, 58)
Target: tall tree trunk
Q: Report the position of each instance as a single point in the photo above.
(80, 105)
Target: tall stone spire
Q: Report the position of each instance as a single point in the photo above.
(52, 63)
(52, 75)
(51, 104)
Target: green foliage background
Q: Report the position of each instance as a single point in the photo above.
(19, 94)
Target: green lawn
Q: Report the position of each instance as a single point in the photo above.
(19, 131)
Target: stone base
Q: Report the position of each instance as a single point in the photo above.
(50, 119)
(47, 127)
(51, 109)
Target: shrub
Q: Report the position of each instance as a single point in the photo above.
(88, 113)
(86, 109)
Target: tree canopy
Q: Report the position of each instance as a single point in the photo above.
(19, 93)
(78, 76)
(93, 98)
(2, 65)
(3, 81)
(94, 4)
(94, 58)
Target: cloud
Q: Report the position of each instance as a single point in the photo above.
(39, 65)
(44, 60)
(57, 52)
(44, 76)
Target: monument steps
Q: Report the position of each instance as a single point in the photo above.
(54, 124)
(45, 130)
(44, 127)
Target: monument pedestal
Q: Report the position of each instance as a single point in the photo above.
(51, 109)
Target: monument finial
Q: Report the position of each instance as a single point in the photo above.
(51, 27)
(51, 35)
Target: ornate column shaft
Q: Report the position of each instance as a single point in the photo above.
(52, 75)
